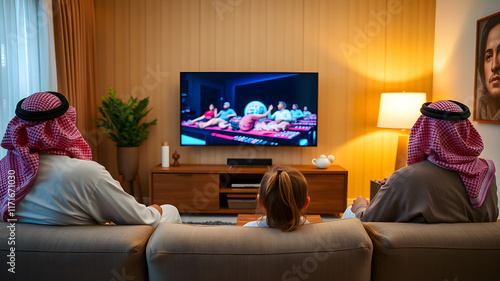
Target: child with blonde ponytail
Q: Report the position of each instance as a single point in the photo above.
(283, 196)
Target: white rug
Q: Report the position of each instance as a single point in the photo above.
(209, 219)
(221, 219)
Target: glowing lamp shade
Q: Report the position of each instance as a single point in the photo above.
(400, 110)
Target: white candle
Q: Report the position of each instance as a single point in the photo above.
(165, 162)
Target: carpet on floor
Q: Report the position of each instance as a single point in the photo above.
(209, 222)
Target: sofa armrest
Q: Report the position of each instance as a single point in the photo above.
(335, 250)
(410, 251)
(92, 252)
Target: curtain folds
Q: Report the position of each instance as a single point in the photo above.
(75, 45)
(27, 57)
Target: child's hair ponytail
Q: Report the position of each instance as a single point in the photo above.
(283, 193)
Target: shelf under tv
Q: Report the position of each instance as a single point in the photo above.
(206, 188)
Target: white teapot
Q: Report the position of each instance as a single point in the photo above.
(323, 162)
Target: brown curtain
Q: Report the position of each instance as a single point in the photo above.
(76, 60)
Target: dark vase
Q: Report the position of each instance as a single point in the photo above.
(128, 161)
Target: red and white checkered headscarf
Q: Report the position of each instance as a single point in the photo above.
(26, 140)
(454, 145)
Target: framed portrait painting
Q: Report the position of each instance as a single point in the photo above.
(487, 72)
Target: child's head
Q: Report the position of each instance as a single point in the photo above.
(283, 194)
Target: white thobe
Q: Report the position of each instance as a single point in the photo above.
(69, 191)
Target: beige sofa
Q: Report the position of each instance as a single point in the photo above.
(441, 252)
(74, 252)
(334, 250)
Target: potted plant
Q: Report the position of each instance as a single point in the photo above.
(121, 123)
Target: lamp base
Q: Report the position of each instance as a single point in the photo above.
(402, 151)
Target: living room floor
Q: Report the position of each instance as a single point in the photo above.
(228, 218)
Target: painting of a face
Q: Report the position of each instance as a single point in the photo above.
(492, 62)
(487, 72)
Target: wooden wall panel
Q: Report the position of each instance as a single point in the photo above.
(311, 30)
(169, 61)
(360, 48)
(154, 76)
(258, 23)
(242, 27)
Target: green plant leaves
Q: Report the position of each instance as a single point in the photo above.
(121, 121)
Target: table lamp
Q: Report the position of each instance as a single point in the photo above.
(400, 111)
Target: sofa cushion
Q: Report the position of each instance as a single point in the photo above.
(461, 251)
(74, 252)
(335, 250)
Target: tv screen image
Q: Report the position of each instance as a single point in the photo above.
(249, 108)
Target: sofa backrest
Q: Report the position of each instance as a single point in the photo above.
(452, 252)
(334, 250)
(93, 252)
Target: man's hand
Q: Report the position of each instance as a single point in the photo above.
(157, 208)
(382, 182)
(359, 201)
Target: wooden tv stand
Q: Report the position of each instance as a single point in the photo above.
(208, 188)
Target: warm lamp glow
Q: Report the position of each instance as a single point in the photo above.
(399, 110)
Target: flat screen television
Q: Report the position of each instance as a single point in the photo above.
(241, 112)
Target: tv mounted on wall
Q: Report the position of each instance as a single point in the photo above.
(240, 103)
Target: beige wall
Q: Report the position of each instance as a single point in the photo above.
(360, 49)
(454, 55)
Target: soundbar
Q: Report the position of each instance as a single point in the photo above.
(249, 162)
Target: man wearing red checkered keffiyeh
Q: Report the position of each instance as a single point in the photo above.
(445, 180)
(26, 140)
(47, 176)
(454, 145)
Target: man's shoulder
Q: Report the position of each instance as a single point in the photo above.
(64, 164)
(420, 172)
